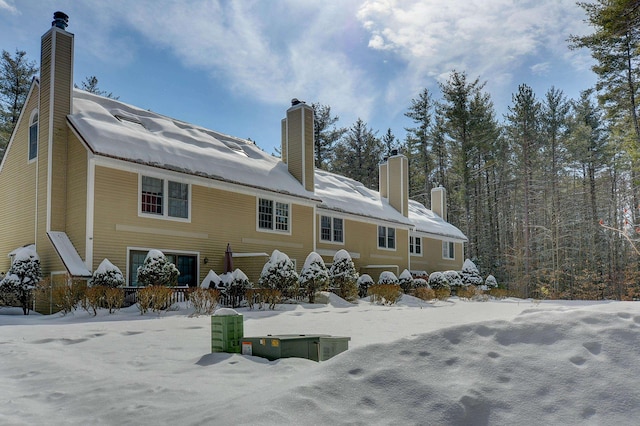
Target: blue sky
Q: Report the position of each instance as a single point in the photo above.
(233, 66)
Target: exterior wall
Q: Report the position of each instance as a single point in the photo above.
(76, 208)
(398, 183)
(362, 238)
(300, 144)
(56, 77)
(218, 217)
(431, 259)
(18, 188)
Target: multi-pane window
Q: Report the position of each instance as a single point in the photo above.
(273, 215)
(448, 250)
(178, 199)
(186, 264)
(386, 237)
(153, 200)
(152, 195)
(331, 229)
(33, 136)
(415, 245)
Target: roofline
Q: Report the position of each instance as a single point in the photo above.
(373, 219)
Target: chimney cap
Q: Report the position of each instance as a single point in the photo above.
(394, 152)
(60, 20)
(295, 102)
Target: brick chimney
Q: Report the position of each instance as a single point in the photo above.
(298, 143)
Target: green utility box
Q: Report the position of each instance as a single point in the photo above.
(316, 347)
(226, 333)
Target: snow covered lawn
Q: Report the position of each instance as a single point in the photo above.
(458, 362)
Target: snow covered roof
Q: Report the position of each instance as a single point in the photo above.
(68, 254)
(343, 194)
(117, 130)
(114, 129)
(427, 222)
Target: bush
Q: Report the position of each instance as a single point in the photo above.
(454, 278)
(101, 296)
(406, 281)
(387, 277)
(491, 282)
(107, 275)
(279, 274)
(156, 298)
(204, 300)
(22, 278)
(386, 294)
(467, 292)
(157, 270)
(314, 276)
(424, 293)
(420, 283)
(234, 286)
(364, 282)
(262, 296)
(343, 276)
(470, 274)
(442, 293)
(67, 297)
(113, 298)
(437, 281)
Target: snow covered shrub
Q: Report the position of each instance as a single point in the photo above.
(470, 274)
(279, 274)
(440, 285)
(364, 282)
(157, 270)
(314, 276)
(420, 283)
(108, 275)
(21, 279)
(204, 300)
(212, 280)
(343, 276)
(454, 278)
(406, 281)
(491, 282)
(236, 286)
(467, 292)
(113, 298)
(387, 277)
(260, 296)
(386, 294)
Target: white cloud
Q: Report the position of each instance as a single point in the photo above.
(541, 68)
(8, 6)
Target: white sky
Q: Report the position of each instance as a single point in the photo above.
(234, 66)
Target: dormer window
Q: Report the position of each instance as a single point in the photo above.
(33, 135)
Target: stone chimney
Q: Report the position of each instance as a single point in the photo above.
(439, 201)
(298, 143)
(396, 188)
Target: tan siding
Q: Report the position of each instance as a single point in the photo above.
(398, 175)
(308, 149)
(283, 142)
(77, 194)
(431, 259)
(294, 149)
(18, 182)
(218, 217)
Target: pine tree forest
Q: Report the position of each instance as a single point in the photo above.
(549, 193)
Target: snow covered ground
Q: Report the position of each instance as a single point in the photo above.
(504, 362)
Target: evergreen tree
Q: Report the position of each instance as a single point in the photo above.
(314, 276)
(21, 279)
(157, 270)
(16, 75)
(107, 275)
(358, 155)
(326, 134)
(279, 273)
(419, 145)
(343, 276)
(90, 84)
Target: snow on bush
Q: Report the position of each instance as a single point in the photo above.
(157, 270)
(234, 285)
(470, 274)
(406, 281)
(438, 280)
(107, 275)
(314, 276)
(420, 283)
(279, 273)
(21, 279)
(212, 280)
(387, 277)
(454, 278)
(364, 282)
(491, 282)
(343, 276)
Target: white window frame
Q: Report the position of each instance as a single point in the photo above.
(387, 238)
(34, 120)
(276, 205)
(165, 198)
(332, 230)
(415, 243)
(448, 247)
